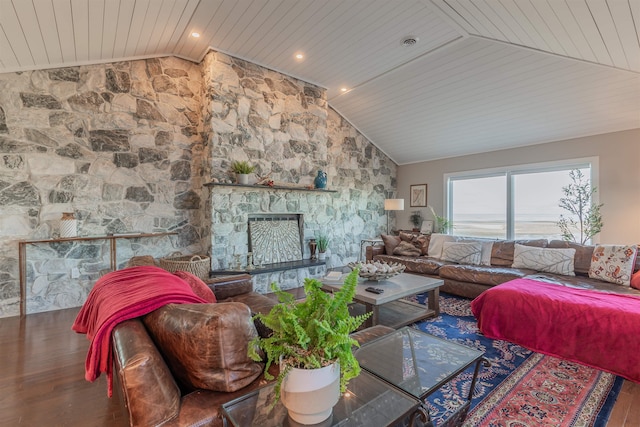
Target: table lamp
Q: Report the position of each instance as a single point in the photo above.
(393, 205)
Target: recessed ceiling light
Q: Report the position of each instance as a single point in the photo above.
(343, 89)
(195, 34)
(409, 41)
(299, 56)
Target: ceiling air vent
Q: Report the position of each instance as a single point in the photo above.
(409, 41)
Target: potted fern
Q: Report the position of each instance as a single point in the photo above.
(242, 168)
(310, 339)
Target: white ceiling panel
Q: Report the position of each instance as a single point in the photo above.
(453, 100)
(484, 75)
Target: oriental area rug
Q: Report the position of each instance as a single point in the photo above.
(521, 388)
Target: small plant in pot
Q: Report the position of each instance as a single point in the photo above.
(242, 169)
(323, 245)
(311, 338)
(416, 220)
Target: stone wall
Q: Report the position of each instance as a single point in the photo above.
(118, 144)
(128, 146)
(284, 127)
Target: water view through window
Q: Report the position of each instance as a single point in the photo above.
(480, 206)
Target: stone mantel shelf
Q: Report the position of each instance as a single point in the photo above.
(270, 268)
(266, 187)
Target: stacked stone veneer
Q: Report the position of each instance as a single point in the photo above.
(118, 144)
(128, 146)
(285, 128)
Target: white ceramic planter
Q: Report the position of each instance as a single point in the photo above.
(322, 256)
(243, 178)
(310, 394)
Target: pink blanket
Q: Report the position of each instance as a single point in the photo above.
(119, 296)
(597, 329)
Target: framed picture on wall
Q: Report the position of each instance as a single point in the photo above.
(418, 195)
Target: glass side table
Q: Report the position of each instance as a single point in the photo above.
(368, 402)
(419, 364)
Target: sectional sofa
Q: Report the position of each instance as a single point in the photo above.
(423, 254)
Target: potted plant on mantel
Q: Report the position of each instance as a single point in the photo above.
(242, 169)
(323, 245)
(311, 342)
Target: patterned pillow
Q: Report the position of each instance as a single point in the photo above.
(557, 261)
(613, 263)
(462, 253)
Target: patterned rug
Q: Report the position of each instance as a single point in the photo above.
(520, 388)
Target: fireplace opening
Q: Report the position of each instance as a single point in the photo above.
(276, 238)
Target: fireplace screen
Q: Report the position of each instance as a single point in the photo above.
(275, 238)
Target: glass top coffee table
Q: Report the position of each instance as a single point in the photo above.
(419, 364)
(368, 402)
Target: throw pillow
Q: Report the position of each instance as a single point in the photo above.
(635, 280)
(390, 243)
(462, 253)
(436, 244)
(613, 263)
(487, 247)
(557, 261)
(420, 241)
(406, 249)
(197, 286)
(205, 345)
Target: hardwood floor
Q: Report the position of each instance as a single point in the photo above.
(42, 378)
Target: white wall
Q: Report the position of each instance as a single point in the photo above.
(618, 186)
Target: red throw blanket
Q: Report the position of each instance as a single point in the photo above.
(598, 329)
(119, 296)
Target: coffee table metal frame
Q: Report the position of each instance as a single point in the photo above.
(389, 308)
(450, 360)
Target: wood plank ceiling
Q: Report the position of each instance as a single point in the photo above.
(484, 74)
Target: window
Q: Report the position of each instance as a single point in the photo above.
(512, 203)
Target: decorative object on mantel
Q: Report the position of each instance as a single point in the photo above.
(416, 220)
(323, 244)
(242, 168)
(265, 180)
(329, 346)
(392, 205)
(312, 247)
(68, 225)
(377, 270)
(321, 180)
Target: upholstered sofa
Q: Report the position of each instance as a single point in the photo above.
(162, 358)
(470, 280)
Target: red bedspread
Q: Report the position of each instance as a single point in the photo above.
(119, 296)
(597, 329)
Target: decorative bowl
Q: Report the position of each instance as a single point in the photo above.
(377, 270)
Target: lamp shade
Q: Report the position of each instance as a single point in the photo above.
(393, 204)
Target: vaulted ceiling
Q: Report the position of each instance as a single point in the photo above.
(484, 74)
